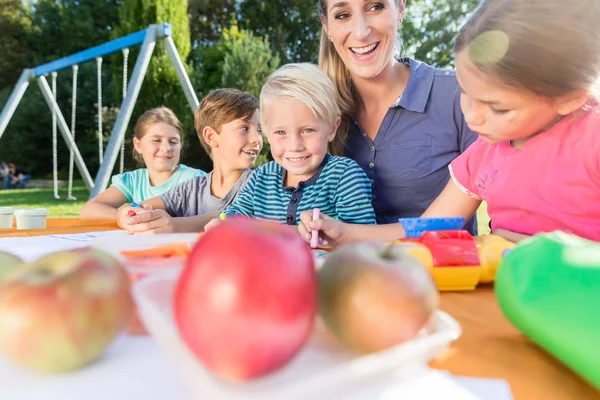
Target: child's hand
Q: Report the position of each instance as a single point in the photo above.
(148, 221)
(212, 224)
(332, 233)
(124, 212)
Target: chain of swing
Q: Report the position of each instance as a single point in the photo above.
(75, 72)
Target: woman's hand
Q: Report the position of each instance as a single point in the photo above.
(332, 233)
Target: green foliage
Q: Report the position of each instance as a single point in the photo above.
(292, 26)
(429, 29)
(14, 23)
(248, 60)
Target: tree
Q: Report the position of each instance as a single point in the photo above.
(58, 28)
(292, 26)
(248, 60)
(208, 18)
(430, 26)
(14, 24)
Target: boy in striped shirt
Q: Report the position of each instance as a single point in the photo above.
(300, 116)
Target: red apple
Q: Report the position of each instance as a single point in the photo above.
(246, 300)
(61, 311)
(8, 262)
(373, 296)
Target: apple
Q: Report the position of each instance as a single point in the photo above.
(246, 300)
(373, 296)
(8, 263)
(62, 311)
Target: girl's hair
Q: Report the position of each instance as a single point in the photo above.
(549, 47)
(334, 67)
(151, 117)
(306, 83)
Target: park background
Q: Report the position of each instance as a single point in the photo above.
(223, 43)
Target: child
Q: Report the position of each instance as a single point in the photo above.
(227, 125)
(299, 116)
(157, 144)
(17, 177)
(526, 69)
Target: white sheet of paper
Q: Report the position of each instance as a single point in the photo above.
(33, 247)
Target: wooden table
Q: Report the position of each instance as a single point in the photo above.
(55, 226)
(489, 346)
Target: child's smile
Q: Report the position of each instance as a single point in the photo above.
(298, 138)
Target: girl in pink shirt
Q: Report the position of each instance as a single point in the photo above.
(526, 69)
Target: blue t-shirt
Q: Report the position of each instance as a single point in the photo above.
(420, 135)
(339, 188)
(136, 186)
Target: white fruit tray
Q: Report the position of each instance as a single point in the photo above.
(322, 370)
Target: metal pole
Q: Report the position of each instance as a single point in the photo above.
(14, 99)
(182, 75)
(65, 132)
(118, 132)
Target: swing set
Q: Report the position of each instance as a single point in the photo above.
(147, 38)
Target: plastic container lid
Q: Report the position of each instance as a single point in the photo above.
(415, 227)
(7, 210)
(31, 212)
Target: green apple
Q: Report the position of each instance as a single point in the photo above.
(373, 296)
(62, 311)
(8, 263)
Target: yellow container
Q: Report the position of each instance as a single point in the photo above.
(490, 249)
(456, 278)
(419, 251)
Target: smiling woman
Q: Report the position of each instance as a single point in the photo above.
(401, 121)
(157, 144)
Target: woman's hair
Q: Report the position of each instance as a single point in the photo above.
(151, 117)
(549, 47)
(308, 84)
(334, 67)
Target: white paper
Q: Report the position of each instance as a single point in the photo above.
(30, 248)
(132, 368)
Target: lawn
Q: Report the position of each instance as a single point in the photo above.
(34, 198)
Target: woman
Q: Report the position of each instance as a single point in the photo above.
(403, 123)
(157, 145)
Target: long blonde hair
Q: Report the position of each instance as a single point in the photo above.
(331, 62)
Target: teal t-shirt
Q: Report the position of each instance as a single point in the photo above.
(136, 186)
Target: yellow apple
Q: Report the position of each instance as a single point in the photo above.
(8, 262)
(62, 311)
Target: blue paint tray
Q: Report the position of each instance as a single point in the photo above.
(415, 227)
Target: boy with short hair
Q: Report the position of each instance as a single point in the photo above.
(227, 126)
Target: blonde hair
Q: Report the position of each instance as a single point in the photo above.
(222, 106)
(151, 117)
(308, 84)
(549, 47)
(331, 62)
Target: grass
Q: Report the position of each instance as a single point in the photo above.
(32, 198)
(44, 198)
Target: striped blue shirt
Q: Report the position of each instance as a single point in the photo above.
(339, 188)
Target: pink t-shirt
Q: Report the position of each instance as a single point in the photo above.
(552, 183)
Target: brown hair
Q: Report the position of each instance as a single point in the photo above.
(220, 107)
(549, 47)
(151, 117)
(331, 62)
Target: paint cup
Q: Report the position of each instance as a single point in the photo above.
(31, 218)
(6, 217)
